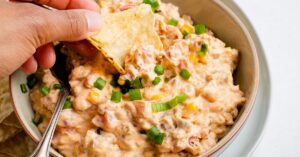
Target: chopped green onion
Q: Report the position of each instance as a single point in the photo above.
(160, 107)
(23, 88)
(31, 81)
(181, 98)
(37, 120)
(203, 51)
(116, 96)
(185, 74)
(153, 3)
(200, 29)
(159, 69)
(173, 22)
(156, 81)
(44, 89)
(137, 83)
(57, 86)
(68, 104)
(135, 94)
(155, 135)
(99, 83)
(114, 80)
(185, 34)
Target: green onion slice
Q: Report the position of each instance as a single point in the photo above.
(203, 51)
(156, 81)
(185, 74)
(159, 69)
(135, 94)
(31, 81)
(99, 83)
(137, 83)
(116, 96)
(44, 89)
(37, 119)
(57, 86)
(200, 29)
(68, 104)
(173, 22)
(153, 3)
(155, 135)
(23, 88)
(185, 34)
(160, 107)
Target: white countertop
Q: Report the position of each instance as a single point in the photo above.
(277, 23)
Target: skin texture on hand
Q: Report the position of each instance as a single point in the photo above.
(27, 31)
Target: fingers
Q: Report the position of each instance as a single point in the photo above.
(67, 4)
(30, 66)
(45, 56)
(68, 25)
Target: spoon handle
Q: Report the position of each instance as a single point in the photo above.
(42, 150)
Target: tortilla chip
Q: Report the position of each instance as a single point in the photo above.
(7, 132)
(123, 30)
(5, 100)
(19, 146)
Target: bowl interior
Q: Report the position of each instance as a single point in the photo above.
(219, 17)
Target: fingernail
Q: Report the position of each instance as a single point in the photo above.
(94, 21)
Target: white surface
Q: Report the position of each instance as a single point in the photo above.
(277, 23)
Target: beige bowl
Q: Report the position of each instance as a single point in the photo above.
(228, 23)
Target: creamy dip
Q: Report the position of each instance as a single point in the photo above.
(96, 123)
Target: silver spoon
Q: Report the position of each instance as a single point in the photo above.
(59, 71)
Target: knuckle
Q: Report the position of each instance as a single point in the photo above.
(77, 23)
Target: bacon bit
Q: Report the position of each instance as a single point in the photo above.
(194, 141)
(183, 64)
(126, 7)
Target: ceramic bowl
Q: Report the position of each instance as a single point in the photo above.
(228, 23)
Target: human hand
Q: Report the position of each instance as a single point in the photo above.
(27, 31)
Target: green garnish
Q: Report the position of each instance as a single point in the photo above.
(23, 88)
(37, 119)
(173, 22)
(31, 81)
(99, 83)
(153, 3)
(160, 107)
(137, 83)
(44, 89)
(203, 51)
(57, 86)
(116, 96)
(135, 94)
(200, 29)
(114, 80)
(185, 34)
(156, 81)
(68, 104)
(185, 74)
(155, 135)
(159, 69)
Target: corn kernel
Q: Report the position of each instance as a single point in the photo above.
(121, 81)
(203, 60)
(191, 107)
(158, 96)
(188, 28)
(193, 58)
(93, 97)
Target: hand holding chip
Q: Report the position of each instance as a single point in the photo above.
(27, 31)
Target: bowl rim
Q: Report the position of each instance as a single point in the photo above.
(251, 101)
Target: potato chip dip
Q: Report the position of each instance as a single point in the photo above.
(178, 101)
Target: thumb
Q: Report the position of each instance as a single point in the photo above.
(67, 25)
